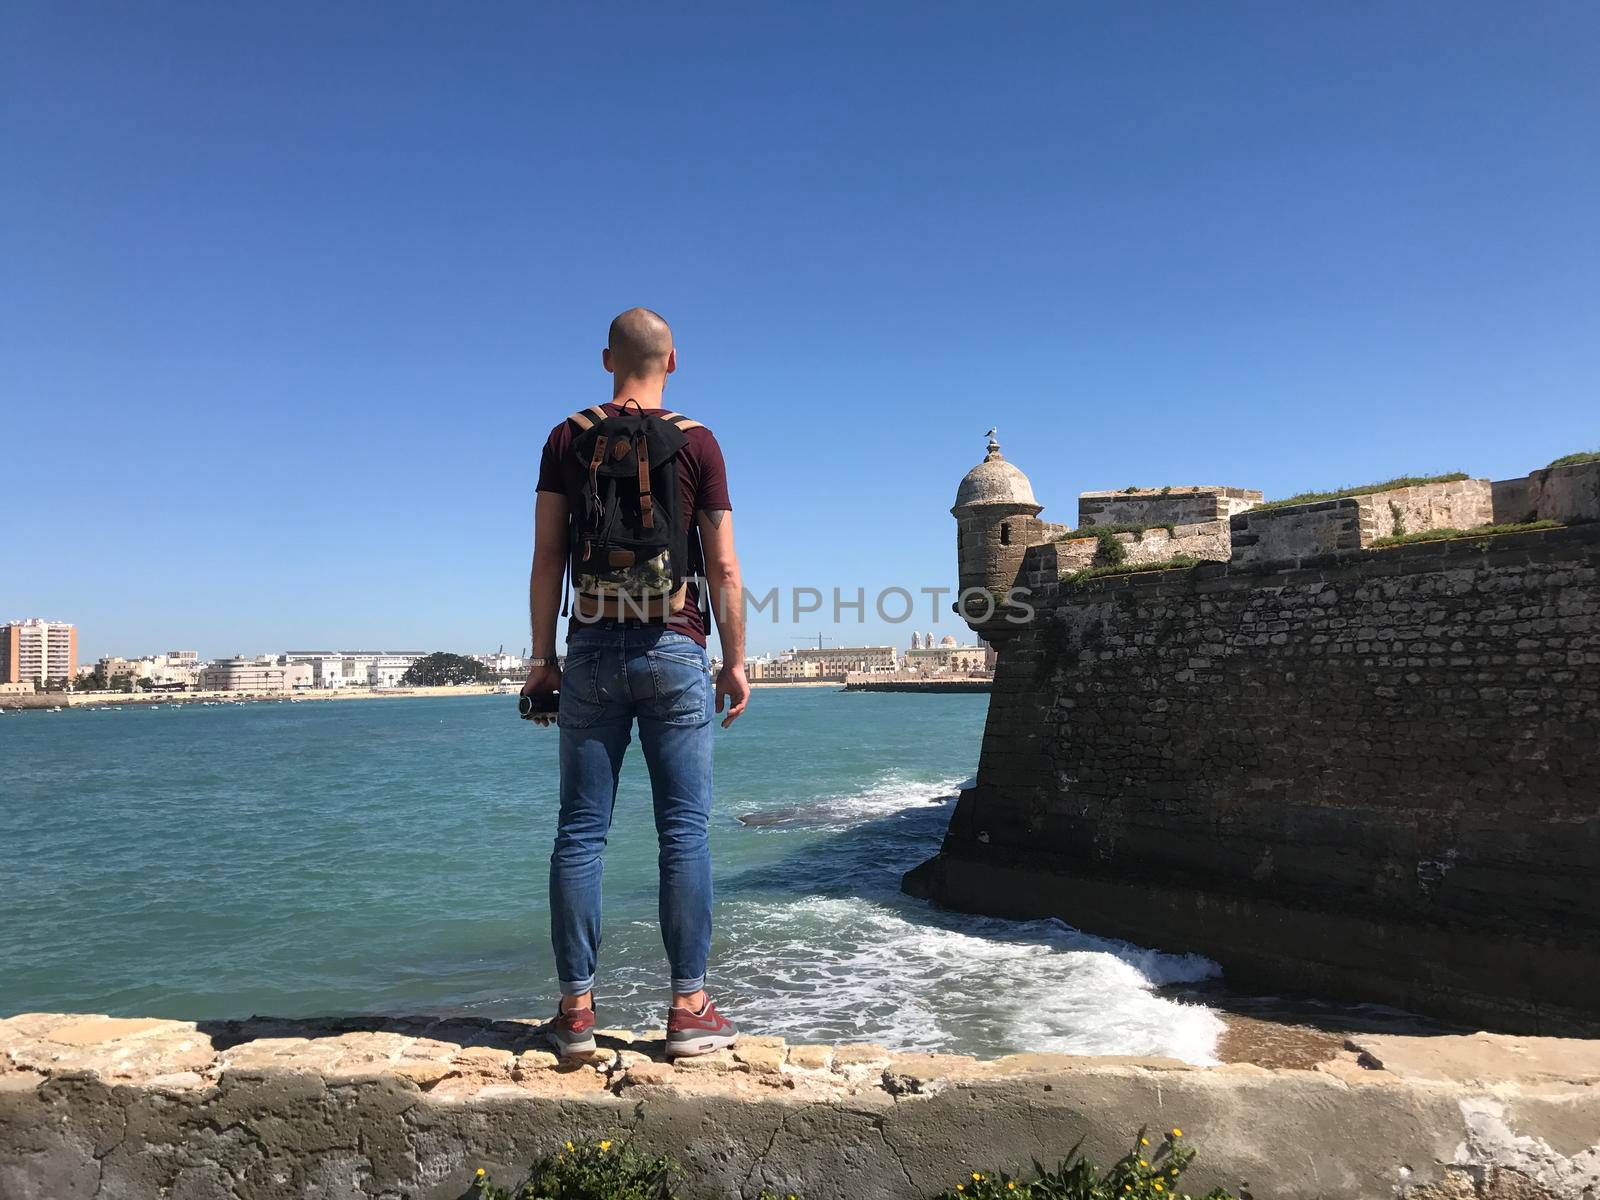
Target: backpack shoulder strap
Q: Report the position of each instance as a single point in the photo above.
(588, 418)
(678, 420)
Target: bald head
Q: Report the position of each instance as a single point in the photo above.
(639, 345)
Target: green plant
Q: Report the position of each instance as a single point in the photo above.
(1175, 563)
(1447, 532)
(1572, 460)
(1398, 516)
(1141, 1174)
(1109, 547)
(597, 1170)
(1133, 527)
(1387, 485)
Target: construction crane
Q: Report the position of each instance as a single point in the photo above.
(820, 640)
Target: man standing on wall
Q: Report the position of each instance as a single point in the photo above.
(636, 650)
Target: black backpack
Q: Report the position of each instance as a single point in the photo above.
(631, 540)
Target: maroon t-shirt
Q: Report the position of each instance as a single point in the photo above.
(702, 480)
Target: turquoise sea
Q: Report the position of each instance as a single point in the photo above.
(391, 855)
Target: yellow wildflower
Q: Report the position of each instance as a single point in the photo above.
(1177, 1133)
(977, 1177)
(570, 1146)
(1012, 1186)
(1157, 1185)
(1142, 1163)
(480, 1172)
(604, 1146)
(1144, 1141)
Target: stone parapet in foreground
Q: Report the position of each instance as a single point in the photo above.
(410, 1107)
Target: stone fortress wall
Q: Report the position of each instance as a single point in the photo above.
(1342, 771)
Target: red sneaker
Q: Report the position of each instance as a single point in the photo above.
(690, 1033)
(572, 1032)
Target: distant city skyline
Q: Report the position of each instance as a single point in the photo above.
(299, 290)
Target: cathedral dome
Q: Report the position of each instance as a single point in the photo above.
(995, 481)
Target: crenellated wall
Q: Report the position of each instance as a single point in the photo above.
(1163, 506)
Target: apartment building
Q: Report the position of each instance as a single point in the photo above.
(35, 651)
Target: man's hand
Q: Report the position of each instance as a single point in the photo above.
(732, 684)
(542, 680)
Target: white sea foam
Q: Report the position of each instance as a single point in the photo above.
(826, 968)
(874, 966)
(891, 793)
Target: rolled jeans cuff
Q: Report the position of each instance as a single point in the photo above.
(688, 987)
(576, 987)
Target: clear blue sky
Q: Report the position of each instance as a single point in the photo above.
(291, 293)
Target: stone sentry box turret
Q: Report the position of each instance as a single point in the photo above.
(997, 519)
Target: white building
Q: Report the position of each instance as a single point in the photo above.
(948, 660)
(782, 669)
(386, 671)
(502, 663)
(174, 669)
(262, 674)
(834, 662)
(353, 668)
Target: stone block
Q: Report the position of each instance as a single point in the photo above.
(717, 1062)
(424, 1072)
(760, 1059)
(810, 1058)
(860, 1054)
(1568, 494)
(649, 1073)
(95, 1030)
(531, 1061)
(483, 1060)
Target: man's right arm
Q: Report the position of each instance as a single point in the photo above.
(544, 587)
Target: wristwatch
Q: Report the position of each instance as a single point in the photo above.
(541, 662)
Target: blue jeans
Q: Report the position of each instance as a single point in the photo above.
(614, 675)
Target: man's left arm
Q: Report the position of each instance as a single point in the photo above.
(727, 603)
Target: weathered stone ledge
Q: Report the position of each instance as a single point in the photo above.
(409, 1107)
